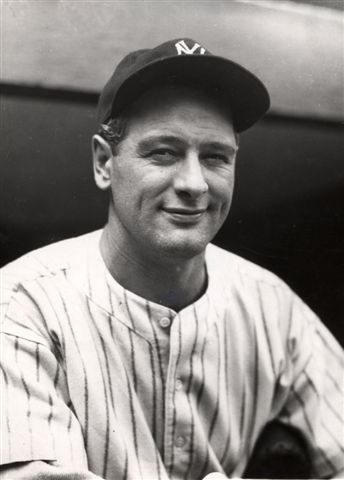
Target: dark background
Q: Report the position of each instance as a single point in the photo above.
(287, 213)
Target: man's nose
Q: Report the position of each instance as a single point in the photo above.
(189, 177)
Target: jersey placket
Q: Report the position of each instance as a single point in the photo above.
(178, 411)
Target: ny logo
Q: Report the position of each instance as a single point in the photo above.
(183, 48)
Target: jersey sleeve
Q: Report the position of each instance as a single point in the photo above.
(315, 401)
(37, 416)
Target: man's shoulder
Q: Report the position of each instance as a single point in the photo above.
(30, 284)
(227, 264)
(48, 260)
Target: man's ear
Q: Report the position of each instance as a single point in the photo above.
(102, 156)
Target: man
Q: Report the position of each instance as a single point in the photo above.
(143, 351)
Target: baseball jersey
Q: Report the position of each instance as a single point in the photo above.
(98, 379)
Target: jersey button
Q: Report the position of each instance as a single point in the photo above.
(164, 322)
(180, 441)
(179, 384)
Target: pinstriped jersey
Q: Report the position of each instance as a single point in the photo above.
(97, 378)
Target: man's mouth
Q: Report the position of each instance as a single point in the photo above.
(185, 211)
(184, 215)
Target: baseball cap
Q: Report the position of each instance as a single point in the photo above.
(185, 61)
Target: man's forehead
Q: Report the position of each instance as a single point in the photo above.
(181, 138)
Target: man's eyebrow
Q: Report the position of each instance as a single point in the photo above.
(225, 147)
(148, 142)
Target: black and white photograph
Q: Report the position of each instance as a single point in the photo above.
(171, 239)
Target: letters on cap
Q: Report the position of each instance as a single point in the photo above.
(183, 48)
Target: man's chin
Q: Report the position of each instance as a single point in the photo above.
(183, 248)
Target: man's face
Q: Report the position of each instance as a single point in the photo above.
(172, 177)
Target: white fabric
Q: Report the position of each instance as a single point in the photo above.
(95, 379)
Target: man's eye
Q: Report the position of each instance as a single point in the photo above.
(163, 154)
(217, 158)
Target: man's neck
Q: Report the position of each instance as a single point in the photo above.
(174, 283)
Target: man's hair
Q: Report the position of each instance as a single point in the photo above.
(113, 132)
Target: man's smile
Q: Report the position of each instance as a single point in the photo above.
(185, 215)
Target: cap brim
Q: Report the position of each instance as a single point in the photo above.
(247, 97)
